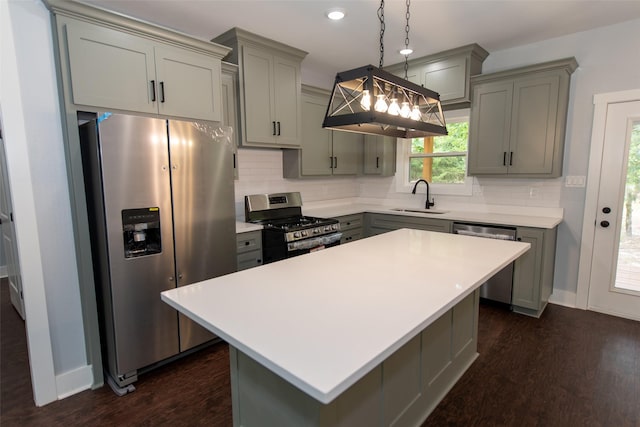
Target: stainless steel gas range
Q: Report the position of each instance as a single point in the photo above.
(286, 232)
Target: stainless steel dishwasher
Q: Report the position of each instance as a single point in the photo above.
(499, 287)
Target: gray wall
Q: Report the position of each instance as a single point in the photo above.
(609, 61)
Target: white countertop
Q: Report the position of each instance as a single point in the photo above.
(485, 217)
(324, 328)
(245, 227)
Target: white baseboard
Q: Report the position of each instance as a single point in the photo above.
(565, 298)
(73, 382)
(3, 271)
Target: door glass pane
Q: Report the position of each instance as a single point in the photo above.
(628, 269)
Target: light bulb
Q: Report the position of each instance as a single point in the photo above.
(365, 101)
(405, 111)
(415, 113)
(381, 106)
(394, 108)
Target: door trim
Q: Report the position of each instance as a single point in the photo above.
(601, 103)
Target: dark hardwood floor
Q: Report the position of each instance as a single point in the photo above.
(569, 368)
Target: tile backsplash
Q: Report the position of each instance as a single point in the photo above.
(260, 171)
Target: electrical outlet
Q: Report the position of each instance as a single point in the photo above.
(533, 192)
(575, 181)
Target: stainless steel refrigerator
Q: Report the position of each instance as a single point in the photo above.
(160, 198)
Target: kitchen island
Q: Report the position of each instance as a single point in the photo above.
(371, 333)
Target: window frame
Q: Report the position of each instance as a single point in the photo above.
(403, 185)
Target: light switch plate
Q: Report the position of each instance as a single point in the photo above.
(575, 181)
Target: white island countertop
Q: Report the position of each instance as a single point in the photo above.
(323, 320)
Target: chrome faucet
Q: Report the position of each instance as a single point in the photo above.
(427, 204)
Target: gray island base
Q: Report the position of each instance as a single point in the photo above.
(373, 333)
(401, 391)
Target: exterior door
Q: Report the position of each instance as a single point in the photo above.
(615, 265)
(8, 234)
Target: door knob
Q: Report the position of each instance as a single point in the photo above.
(606, 210)
(604, 224)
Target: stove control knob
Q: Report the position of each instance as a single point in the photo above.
(327, 228)
(304, 233)
(296, 234)
(335, 226)
(316, 230)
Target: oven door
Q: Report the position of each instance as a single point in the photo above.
(313, 244)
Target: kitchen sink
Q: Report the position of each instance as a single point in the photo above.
(422, 211)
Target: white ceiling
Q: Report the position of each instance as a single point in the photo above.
(435, 25)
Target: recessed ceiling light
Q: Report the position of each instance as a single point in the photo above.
(405, 52)
(335, 14)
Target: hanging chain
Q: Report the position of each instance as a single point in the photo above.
(382, 27)
(406, 43)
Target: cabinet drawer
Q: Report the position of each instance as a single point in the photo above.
(249, 259)
(249, 241)
(349, 222)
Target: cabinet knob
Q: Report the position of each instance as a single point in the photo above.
(604, 224)
(606, 210)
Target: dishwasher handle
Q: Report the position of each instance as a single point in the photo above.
(485, 235)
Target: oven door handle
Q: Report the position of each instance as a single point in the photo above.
(314, 242)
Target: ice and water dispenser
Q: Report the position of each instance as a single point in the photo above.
(141, 229)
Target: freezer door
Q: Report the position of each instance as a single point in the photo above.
(203, 212)
(135, 175)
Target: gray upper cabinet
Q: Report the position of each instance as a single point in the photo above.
(518, 121)
(379, 155)
(111, 68)
(322, 152)
(230, 107)
(269, 89)
(447, 73)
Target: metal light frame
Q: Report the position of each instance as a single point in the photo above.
(345, 113)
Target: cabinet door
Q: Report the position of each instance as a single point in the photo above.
(260, 126)
(533, 125)
(316, 155)
(447, 77)
(230, 112)
(110, 69)
(379, 155)
(490, 128)
(347, 152)
(287, 102)
(527, 270)
(188, 84)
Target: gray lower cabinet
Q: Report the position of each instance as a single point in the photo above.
(533, 271)
(249, 249)
(379, 155)
(401, 391)
(322, 152)
(518, 121)
(351, 227)
(382, 223)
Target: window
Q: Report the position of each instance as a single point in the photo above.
(441, 160)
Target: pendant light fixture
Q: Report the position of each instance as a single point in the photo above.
(371, 100)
